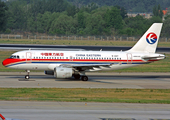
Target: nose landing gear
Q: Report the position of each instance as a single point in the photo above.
(27, 76)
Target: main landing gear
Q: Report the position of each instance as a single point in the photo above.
(83, 78)
(27, 76)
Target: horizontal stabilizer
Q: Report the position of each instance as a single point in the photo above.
(156, 57)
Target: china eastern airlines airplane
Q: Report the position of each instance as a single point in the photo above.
(65, 64)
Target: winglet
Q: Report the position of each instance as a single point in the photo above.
(148, 42)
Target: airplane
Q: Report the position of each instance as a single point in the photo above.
(67, 64)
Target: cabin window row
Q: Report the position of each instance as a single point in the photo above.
(102, 58)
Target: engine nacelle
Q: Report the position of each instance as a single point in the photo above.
(49, 72)
(60, 72)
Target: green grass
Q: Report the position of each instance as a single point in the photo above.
(161, 96)
(76, 42)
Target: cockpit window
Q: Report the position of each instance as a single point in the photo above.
(14, 56)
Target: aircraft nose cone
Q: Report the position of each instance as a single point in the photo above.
(4, 62)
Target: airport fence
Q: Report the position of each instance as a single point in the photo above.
(64, 37)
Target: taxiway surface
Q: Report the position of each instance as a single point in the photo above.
(73, 47)
(27, 110)
(96, 80)
(83, 111)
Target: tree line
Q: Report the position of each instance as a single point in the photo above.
(59, 17)
(129, 5)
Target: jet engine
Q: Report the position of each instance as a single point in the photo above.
(60, 72)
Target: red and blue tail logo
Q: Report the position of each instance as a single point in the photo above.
(151, 38)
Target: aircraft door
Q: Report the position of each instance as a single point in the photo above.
(129, 58)
(29, 57)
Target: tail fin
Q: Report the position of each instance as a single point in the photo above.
(148, 42)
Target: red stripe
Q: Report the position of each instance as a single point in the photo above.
(12, 61)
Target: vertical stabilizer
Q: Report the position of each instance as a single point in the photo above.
(148, 42)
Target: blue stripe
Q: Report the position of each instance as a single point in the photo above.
(74, 63)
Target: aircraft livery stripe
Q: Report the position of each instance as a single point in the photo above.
(70, 62)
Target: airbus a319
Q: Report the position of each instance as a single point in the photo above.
(66, 64)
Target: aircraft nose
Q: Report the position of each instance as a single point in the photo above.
(4, 63)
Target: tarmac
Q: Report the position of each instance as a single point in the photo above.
(26, 110)
(32, 110)
(96, 80)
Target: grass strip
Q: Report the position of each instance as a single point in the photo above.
(76, 42)
(161, 96)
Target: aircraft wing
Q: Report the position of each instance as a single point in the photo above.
(85, 67)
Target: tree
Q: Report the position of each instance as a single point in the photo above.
(3, 15)
(72, 10)
(157, 11)
(123, 11)
(166, 28)
(94, 24)
(64, 24)
(17, 15)
(113, 18)
(135, 25)
(31, 26)
(39, 24)
(81, 19)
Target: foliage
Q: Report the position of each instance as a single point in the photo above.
(129, 5)
(90, 17)
(157, 11)
(3, 16)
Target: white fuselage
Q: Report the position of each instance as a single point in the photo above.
(48, 60)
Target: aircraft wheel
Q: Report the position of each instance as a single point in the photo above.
(27, 77)
(84, 78)
(77, 76)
